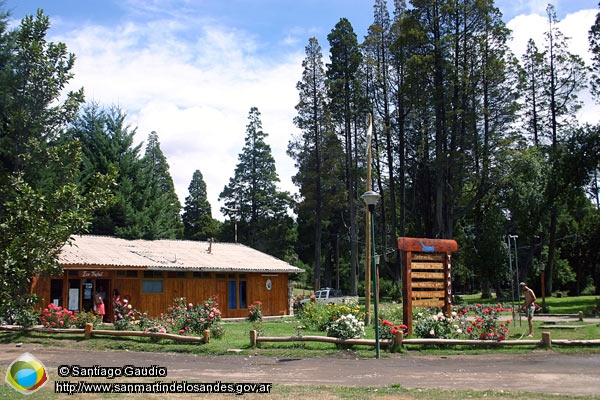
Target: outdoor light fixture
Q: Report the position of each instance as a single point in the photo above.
(370, 198)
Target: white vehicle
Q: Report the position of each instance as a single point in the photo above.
(330, 296)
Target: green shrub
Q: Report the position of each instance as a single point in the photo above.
(83, 318)
(318, 316)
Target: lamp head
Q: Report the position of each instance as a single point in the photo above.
(370, 198)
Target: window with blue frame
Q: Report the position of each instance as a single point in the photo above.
(236, 292)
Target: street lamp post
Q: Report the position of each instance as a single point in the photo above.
(370, 198)
(514, 238)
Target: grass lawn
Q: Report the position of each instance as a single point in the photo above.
(237, 338)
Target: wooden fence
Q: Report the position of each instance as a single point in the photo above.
(399, 340)
(90, 331)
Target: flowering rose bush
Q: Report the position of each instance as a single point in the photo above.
(485, 326)
(126, 317)
(57, 317)
(186, 318)
(255, 316)
(346, 327)
(387, 330)
(434, 324)
(255, 312)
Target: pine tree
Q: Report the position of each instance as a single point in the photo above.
(346, 109)
(260, 209)
(198, 223)
(155, 203)
(317, 163)
(107, 145)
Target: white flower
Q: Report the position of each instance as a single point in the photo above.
(432, 332)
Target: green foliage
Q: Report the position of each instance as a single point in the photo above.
(318, 316)
(252, 200)
(43, 203)
(82, 318)
(156, 206)
(198, 223)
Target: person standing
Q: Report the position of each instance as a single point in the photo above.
(100, 308)
(528, 305)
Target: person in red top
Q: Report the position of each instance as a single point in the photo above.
(528, 305)
(100, 308)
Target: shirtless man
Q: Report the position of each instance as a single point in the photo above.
(528, 305)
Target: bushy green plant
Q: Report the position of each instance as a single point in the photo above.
(26, 317)
(83, 318)
(318, 316)
(217, 331)
(346, 327)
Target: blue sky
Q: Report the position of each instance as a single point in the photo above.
(192, 69)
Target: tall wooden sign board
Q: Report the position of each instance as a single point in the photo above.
(426, 275)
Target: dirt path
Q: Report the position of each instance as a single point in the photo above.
(540, 371)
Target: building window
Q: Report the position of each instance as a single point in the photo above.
(153, 274)
(152, 286)
(236, 293)
(127, 274)
(201, 275)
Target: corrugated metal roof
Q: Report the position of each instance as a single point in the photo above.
(113, 253)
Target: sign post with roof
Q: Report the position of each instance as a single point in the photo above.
(426, 275)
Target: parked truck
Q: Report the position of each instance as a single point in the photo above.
(329, 295)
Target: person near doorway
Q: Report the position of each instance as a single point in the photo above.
(116, 302)
(100, 308)
(528, 305)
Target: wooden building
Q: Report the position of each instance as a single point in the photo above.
(150, 274)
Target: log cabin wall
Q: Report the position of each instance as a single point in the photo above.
(154, 291)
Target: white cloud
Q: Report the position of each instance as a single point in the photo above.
(196, 94)
(575, 27)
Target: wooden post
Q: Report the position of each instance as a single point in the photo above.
(253, 337)
(88, 330)
(546, 340)
(206, 334)
(399, 338)
(368, 260)
(580, 313)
